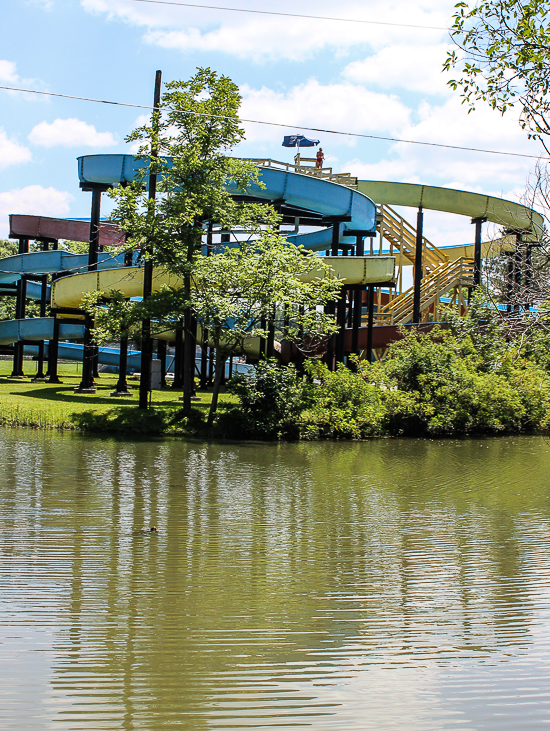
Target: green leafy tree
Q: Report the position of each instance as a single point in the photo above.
(236, 295)
(190, 136)
(503, 57)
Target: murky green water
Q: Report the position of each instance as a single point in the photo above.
(383, 585)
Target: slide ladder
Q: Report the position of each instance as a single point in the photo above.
(401, 236)
(440, 281)
(441, 275)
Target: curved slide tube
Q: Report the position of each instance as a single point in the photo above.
(51, 262)
(475, 205)
(67, 292)
(303, 192)
(37, 328)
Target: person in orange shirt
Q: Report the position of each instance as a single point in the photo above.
(320, 157)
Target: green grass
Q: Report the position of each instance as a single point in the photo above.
(55, 406)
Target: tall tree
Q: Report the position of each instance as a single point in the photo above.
(503, 58)
(258, 289)
(195, 127)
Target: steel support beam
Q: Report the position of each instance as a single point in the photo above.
(417, 265)
(477, 249)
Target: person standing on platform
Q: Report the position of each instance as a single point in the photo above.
(320, 158)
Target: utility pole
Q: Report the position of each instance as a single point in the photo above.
(146, 341)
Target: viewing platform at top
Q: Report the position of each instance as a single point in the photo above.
(307, 166)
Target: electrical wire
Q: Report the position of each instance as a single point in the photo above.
(291, 15)
(291, 126)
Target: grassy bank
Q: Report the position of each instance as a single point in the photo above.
(39, 405)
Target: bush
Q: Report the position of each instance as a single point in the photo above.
(344, 405)
(434, 384)
(271, 399)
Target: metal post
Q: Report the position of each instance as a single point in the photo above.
(370, 323)
(518, 272)
(146, 342)
(341, 322)
(53, 350)
(356, 324)
(477, 250)
(335, 238)
(20, 306)
(509, 281)
(121, 388)
(88, 355)
(528, 275)
(417, 266)
(43, 302)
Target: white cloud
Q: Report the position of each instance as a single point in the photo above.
(11, 152)
(343, 106)
(70, 132)
(35, 200)
(7, 72)
(412, 67)
(273, 37)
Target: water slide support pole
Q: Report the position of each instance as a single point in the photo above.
(518, 271)
(17, 370)
(146, 342)
(417, 265)
(20, 307)
(204, 348)
(370, 323)
(89, 352)
(53, 349)
(477, 249)
(341, 322)
(43, 301)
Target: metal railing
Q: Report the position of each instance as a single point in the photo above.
(447, 276)
(323, 173)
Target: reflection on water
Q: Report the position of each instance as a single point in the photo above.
(382, 585)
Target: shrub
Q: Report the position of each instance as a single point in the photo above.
(271, 399)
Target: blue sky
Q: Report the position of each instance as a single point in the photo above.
(369, 79)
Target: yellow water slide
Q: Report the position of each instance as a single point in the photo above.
(68, 292)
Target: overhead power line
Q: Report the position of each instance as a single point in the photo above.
(289, 126)
(289, 15)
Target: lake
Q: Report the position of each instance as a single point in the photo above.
(390, 584)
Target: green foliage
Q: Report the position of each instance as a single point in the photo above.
(197, 125)
(271, 399)
(505, 59)
(436, 384)
(343, 404)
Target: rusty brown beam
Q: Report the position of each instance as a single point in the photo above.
(42, 227)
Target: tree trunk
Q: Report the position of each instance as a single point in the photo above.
(189, 346)
(220, 361)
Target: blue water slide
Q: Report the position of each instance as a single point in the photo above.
(300, 191)
(37, 328)
(106, 356)
(50, 262)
